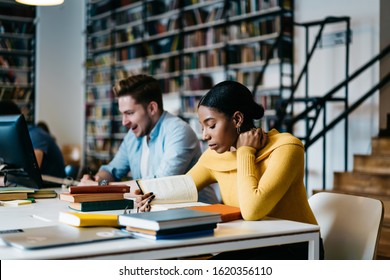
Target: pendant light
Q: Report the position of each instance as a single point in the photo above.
(41, 2)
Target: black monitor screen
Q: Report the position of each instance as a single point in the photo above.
(17, 158)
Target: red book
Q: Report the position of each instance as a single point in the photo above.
(82, 197)
(100, 189)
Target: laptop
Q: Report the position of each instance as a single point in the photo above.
(59, 235)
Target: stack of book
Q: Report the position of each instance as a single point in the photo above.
(97, 198)
(14, 193)
(43, 193)
(169, 224)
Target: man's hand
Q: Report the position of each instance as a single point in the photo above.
(91, 180)
(87, 180)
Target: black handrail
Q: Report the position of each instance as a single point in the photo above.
(329, 95)
(351, 108)
(322, 23)
(319, 103)
(282, 114)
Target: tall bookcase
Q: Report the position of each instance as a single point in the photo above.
(188, 45)
(17, 55)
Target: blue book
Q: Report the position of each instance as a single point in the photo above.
(191, 234)
(173, 231)
(173, 218)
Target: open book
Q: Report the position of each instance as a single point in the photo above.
(171, 192)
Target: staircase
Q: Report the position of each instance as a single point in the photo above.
(371, 177)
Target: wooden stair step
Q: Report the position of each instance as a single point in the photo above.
(380, 146)
(383, 250)
(376, 184)
(386, 216)
(371, 164)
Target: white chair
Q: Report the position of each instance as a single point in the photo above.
(350, 225)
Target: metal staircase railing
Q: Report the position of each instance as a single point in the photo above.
(319, 104)
(287, 118)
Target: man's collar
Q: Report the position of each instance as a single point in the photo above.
(156, 129)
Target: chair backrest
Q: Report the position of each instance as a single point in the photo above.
(350, 225)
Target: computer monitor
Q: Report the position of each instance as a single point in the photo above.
(17, 158)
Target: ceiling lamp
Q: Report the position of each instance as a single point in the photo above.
(41, 2)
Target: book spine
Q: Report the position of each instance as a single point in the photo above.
(12, 196)
(90, 197)
(197, 233)
(102, 205)
(99, 189)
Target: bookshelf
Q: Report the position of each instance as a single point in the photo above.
(188, 45)
(17, 56)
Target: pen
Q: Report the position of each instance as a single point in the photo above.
(40, 218)
(90, 173)
(139, 186)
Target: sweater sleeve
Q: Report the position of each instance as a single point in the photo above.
(201, 175)
(258, 196)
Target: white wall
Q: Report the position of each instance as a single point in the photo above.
(60, 75)
(327, 70)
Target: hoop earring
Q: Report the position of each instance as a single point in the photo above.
(238, 130)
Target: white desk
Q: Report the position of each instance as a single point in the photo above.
(227, 237)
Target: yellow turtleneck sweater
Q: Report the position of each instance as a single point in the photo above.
(268, 182)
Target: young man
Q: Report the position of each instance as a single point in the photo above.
(158, 143)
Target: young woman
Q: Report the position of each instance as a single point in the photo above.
(260, 173)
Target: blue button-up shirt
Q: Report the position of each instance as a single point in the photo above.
(173, 150)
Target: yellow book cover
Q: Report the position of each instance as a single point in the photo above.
(16, 202)
(88, 219)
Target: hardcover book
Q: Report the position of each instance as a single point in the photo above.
(83, 197)
(43, 193)
(169, 219)
(12, 196)
(189, 234)
(99, 189)
(228, 213)
(16, 190)
(173, 233)
(88, 219)
(12, 193)
(102, 205)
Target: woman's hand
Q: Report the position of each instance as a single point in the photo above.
(144, 201)
(255, 138)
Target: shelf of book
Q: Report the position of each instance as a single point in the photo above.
(17, 56)
(188, 46)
